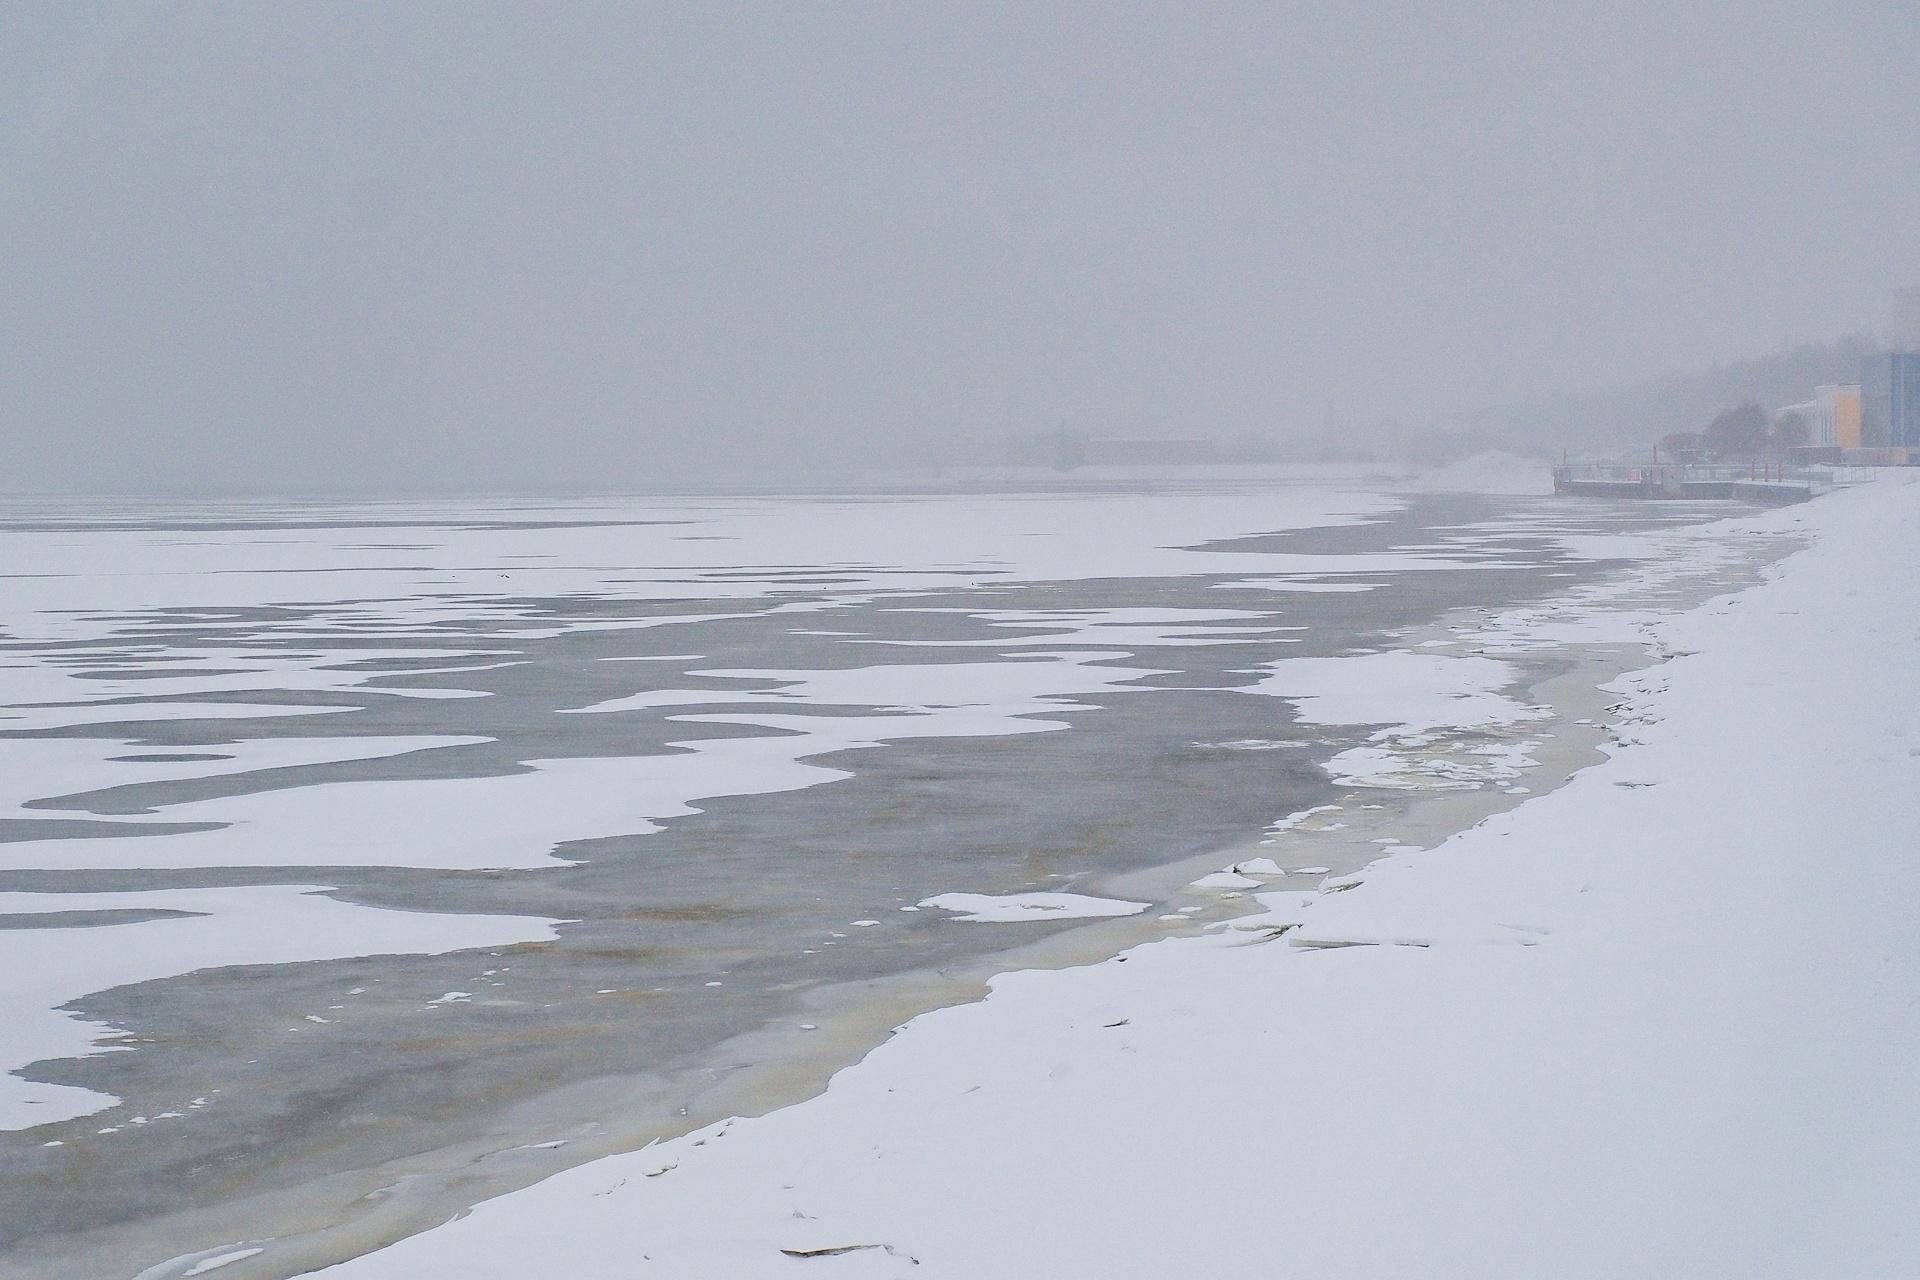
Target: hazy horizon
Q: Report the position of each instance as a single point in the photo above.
(449, 247)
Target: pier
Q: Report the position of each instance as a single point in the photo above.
(1771, 483)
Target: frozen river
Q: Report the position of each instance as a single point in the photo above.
(334, 835)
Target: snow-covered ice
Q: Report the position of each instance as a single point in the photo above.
(1225, 880)
(1414, 692)
(1616, 1031)
(1006, 908)
(44, 969)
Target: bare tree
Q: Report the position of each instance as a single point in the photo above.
(1739, 432)
(1790, 431)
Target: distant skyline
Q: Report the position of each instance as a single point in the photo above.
(446, 246)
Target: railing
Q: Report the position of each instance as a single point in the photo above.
(1662, 474)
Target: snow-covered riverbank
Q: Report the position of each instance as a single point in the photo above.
(679, 858)
(1662, 1021)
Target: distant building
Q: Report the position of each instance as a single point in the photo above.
(1890, 400)
(1148, 453)
(1836, 416)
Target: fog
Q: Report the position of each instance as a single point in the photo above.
(406, 247)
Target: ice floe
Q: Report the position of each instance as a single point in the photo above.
(44, 970)
(1007, 908)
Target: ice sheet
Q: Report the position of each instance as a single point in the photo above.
(1010, 908)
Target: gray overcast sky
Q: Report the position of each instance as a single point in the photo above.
(415, 245)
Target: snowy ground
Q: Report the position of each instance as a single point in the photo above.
(1661, 1021)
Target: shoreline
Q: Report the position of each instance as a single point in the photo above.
(1611, 1028)
(778, 1065)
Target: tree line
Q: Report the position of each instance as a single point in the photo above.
(1737, 434)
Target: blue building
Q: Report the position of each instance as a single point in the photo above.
(1890, 400)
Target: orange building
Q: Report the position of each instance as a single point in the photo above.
(1837, 418)
(1846, 417)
